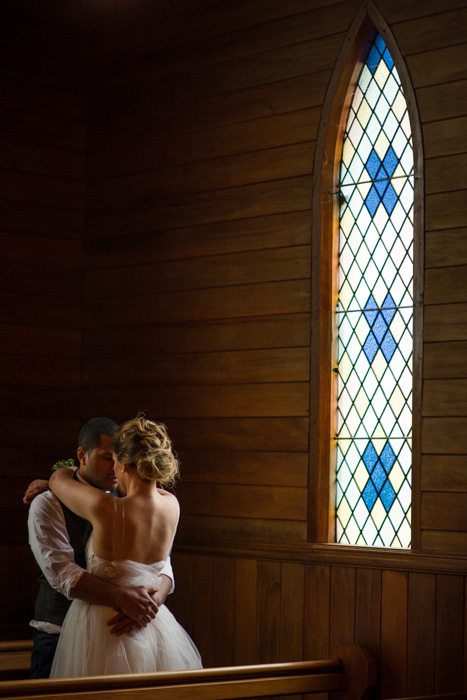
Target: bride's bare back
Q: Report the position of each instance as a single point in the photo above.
(140, 527)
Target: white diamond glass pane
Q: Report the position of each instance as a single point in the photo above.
(374, 312)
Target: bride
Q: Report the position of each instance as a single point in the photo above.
(132, 536)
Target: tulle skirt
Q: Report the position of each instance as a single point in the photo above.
(86, 647)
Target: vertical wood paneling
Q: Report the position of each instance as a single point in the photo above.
(421, 634)
(394, 621)
(449, 633)
(317, 611)
(316, 616)
(342, 606)
(201, 615)
(246, 605)
(368, 590)
(269, 612)
(181, 601)
(223, 611)
(292, 611)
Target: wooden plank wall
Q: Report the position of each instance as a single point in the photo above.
(42, 134)
(202, 124)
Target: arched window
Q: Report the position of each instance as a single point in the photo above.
(373, 432)
(367, 298)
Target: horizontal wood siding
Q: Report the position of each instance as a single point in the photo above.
(42, 165)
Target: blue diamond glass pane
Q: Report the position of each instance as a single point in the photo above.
(387, 457)
(390, 161)
(378, 477)
(388, 346)
(381, 183)
(371, 311)
(379, 328)
(390, 199)
(373, 164)
(380, 43)
(373, 59)
(369, 495)
(374, 395)
(370, 457)
(388, 59)
(370, 347)
(387, 495)
(388, 309)
(372, 200)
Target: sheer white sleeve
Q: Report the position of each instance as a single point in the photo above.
(167, 570)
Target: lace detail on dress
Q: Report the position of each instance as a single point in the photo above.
(125, 572)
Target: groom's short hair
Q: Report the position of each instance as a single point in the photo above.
(90, 434)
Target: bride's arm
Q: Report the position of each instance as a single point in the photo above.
(82, 499)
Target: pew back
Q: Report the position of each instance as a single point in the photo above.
(350, 674)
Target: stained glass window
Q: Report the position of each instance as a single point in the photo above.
(375, 311)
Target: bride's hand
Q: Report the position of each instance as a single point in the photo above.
(34, 489)
(121, 624)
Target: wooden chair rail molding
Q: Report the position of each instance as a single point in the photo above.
(351, 673)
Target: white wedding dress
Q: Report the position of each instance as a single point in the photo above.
(86, 647)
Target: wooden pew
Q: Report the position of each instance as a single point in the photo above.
(15, 659)
(351, 674)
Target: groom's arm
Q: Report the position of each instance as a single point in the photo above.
(136, 604)
(50, 544)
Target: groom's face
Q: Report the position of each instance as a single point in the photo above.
(98, 467)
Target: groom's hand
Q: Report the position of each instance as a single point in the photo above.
(137, 604)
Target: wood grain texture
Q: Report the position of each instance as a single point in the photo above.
(218, 335)
(246, 599)
(368, 597)
(445, 397)
(445, 360)
(444, 511)
(246, 467)
(292, 611)
(449, 633)
(272, 503)
(444, 436)
(394, 619)
(446, 248)
(205, 272)
(444, 473)
(199, 240)
(421, 633)
(342, 606)
(445, 322)
(238, 367)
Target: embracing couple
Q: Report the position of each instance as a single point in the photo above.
(102, 538)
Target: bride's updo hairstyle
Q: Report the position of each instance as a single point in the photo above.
(146, 445)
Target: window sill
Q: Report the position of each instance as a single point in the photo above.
(335, 555)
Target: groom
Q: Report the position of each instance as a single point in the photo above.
(58, 539)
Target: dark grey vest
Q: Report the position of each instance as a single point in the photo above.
(51, 606)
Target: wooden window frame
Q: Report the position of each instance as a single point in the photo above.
(325, 222)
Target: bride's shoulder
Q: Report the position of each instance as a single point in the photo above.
(169, 498)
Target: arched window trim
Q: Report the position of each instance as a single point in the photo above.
(367, 23)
